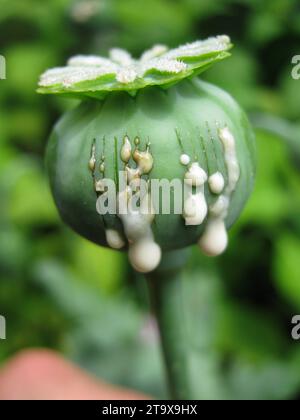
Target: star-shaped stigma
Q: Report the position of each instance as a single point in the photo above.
(91, 75)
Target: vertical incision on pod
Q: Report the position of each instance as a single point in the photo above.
(113, 237)
(214, 239)
(144, 252)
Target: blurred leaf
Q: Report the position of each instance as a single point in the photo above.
(159, 20)
(103, 329)
(248, 333)
(264, 27)
(290, 91)
(14, 251)
(30, 200)
(270, 201)
(275, 380)
(26, 128)
(238, 76)
(238, 352)
(286, 267)
(281, 128)
(24, 65)
(98, 266)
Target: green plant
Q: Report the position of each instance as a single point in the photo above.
(154, 120)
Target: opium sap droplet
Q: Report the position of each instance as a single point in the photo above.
(126, 150)
(144, 160)
(92, 161)
(195, 206)
(195, 176)
(230, 157)
(114, 239)
(214, 240)
(145, 255)
(185, 159)
(216, 183)
(132, 174)
(195, 209)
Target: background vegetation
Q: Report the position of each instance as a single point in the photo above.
(59, 291)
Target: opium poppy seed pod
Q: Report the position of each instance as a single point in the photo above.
(153, 119)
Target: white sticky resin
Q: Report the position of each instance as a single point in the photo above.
(195, 209)
(215, 238)
(144, 255)
(216, 183)
(114, 239)
(195, 206)
(185, 159)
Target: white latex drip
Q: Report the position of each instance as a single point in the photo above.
(114, 239)
(215, 238)
(144, 253)
(195, 206)
(185, 159)
(216, 183)
(126, 150)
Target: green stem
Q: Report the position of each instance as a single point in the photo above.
(165, 285)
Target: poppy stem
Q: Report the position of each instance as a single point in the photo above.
(165, 286)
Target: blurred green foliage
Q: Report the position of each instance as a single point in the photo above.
(59, 291)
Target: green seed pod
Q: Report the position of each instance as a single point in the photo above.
(153, 120)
